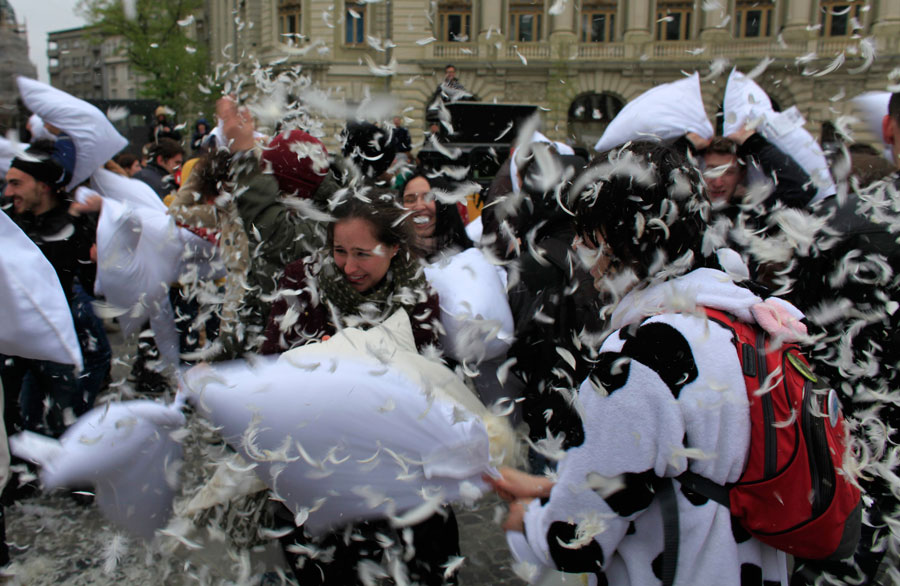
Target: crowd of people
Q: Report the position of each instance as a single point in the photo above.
(618, 381)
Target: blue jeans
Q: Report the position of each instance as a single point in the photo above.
(95, 350)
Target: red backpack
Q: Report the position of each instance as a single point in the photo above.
(793, 494)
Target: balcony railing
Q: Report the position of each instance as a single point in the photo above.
(539, 50)
(454, 50)
(600, 51)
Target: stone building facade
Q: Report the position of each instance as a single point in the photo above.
(89, 66)
(579, 60)
(14, 61)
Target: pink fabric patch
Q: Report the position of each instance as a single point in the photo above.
(777, 321)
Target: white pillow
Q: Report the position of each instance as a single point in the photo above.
(747, 103)
(664, 112)
(474, 307)
(376, 423)
(125, 189)
(34, 311)
(96, 139)
(125, 451)
(872, 107)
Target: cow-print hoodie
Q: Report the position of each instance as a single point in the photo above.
(667, 394)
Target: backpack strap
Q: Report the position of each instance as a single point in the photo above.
(705, 487)
(665, 492)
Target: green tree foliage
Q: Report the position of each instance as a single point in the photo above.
(160, 44)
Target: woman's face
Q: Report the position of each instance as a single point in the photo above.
(417, 198)
(359, 255)
(134, 168)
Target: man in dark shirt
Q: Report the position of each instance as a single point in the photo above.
(40, 207)
(165, 158)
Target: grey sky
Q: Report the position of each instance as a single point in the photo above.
(43, 16)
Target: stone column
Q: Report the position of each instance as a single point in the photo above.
(797, 17)
(563, 31)
(886, 27)
(711, 21)
(638, 30)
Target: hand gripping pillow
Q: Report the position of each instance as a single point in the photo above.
(37, 321)
(474, 308)
(357, 427)
(96, 139)
(666, 111)
(123, 450)
(747, 103)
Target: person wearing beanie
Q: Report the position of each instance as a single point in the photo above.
(201, 131)
(298, 161)
(163, 128)
(36, 201)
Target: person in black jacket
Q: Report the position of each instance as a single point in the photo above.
(165, 157)
(726, 161)
(41, 208)
(848, 286)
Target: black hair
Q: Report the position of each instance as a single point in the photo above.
(894, 107)
(378, 207)
(165, 148)
(648, 204)
(449, 230)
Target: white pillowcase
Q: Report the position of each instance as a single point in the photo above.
(664, 112)
(746, 103)
(34, 311)
(474, 307)
(96, 139)
(124, 451)
(872, 107)
(9, 150)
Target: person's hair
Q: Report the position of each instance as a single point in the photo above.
(210, 175)
(449, 230)
(722, 145)
(449, 65)
(379, 208)
(894, 107)
(165, 148)
(125, 160)
(648, 203)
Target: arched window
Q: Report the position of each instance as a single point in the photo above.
(590, 114)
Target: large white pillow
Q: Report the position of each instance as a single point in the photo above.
(34, 311)
(376, 423)
(664, 112)
(125, 189)
(474, 307)
(747, 103)
(125, 451)
(96, 139)
(872, 107)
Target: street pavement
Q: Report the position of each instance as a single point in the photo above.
(60, 539)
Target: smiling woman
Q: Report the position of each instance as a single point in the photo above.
(366, 273)
(437, 225)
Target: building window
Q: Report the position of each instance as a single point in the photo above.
(454, 21)
(355, 24)
(753, 19)
(289, 13)
(526, 20)
(598, 23)
(673, 21)
(840, 19)
(590, 114)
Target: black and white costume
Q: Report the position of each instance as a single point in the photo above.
(667, 394)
